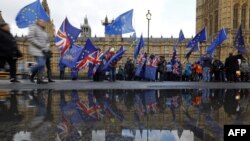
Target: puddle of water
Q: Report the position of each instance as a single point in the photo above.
(123, 115)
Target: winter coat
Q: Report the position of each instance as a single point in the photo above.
(232, 64)
(207, 62)
(8, 45)
(38, 41)
(244, 67)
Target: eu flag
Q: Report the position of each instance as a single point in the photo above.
(222, 36)
(121, 25)
(30, 14)
(193, 49)
(88, 48)
(181, 36)
(151, 67)
(71, 57)
(114, 59)
(66, 36)
(239, 43)
(139, 47)
(200, 37)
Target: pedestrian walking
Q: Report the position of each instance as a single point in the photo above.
(39, 49)
(9, 51)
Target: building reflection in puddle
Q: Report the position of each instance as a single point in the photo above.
(107, 115)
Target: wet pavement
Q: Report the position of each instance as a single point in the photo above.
(86, 85)
(119, 114)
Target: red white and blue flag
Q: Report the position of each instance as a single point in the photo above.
(151, 66)
(66, 36)
(141, 60)
(88, 56)
(66, 131)
(90, 110)
(94, 66)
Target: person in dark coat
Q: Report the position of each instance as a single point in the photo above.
(9, 51)
(162, 68)
(218, 68)
(129, 69)
(231, 66)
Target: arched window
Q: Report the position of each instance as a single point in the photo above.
(235, 16)
(216, 21)
(243, 15)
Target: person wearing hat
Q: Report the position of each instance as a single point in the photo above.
(9, 51)
(39, 48)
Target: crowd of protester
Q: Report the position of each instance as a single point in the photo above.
(208, 69)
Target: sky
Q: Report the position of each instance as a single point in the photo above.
(168, 16)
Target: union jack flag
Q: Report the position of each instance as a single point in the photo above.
(62, 43)
(66, 36)
(89, 59)
(66, 131)
(88, 56)
(90, 111)
(93, 67)
(142, 58)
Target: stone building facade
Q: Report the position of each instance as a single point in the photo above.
(230, 14)
(214, 14)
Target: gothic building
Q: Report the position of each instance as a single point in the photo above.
(216, 14)
(50, 26)
(86, 29)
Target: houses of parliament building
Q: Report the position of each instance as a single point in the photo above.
(213, 14)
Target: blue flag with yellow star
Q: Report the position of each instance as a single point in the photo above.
(222, 36)
(200, 37)
(71, 57)
(239, 43)
(181, 36)
(30, 14)
(121, 25)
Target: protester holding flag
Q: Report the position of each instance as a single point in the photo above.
(38, 47)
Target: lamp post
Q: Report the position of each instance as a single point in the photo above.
(148, 16)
